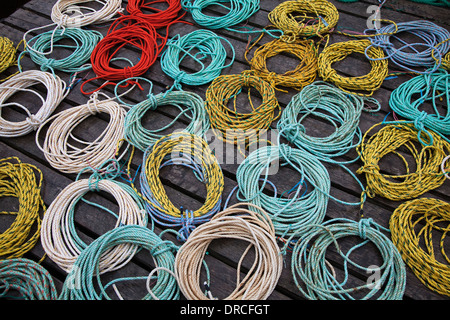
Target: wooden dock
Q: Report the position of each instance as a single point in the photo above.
(182, 188)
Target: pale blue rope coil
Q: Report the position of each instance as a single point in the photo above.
(417, 55)
(409, 97)
(25, 279)
(84, 281)
(329, 103)
(189, 104)
(199, 45)
(315, 276)
(79, 60)
(299, 209)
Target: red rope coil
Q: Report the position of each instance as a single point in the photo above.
(158, 18)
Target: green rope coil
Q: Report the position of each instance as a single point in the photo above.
(84, 281)
(27, 278)
(315, 276)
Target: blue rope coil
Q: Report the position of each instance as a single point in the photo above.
(412, 55)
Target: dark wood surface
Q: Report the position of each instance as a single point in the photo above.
(181, 186)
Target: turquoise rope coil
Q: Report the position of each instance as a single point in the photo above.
(85, 42)
(411, 55)
(288, 214)
(410, 96)
(199, 45)
(189, 104)
(25, 279)
(332, 105)
(84, 281)
(315, 277)
(237, 12)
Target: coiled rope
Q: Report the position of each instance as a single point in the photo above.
(8, 55)
(85, 42)
(58, 233)
(189, 104)
(387, 140)
(299, 208)
(84, 281)
(27, 278)
(325, 101)
(22, 181)
(67, 157)
(231, 125)
(68, 13)
(184, 149)
(410, 56)
(56, 92)
(158, 17)
(235, 222)
(303, 74)
(409, 97)
(364, 85)
(302, 18)
(315, 277)
(413, 221)
(199, 45)
(125, 31)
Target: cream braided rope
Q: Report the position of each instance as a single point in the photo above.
(57, 234)
(67, 158)
(235, 222)
(68, 13)
(56, 92)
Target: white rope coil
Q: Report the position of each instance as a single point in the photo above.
(235, 222)
(59, 239)
(68, 13)
(56, 91)
(68, 158)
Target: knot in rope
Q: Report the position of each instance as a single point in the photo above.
(363, 224)
(33, 121)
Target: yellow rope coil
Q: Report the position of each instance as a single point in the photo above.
(303, 74)
(8, 55)
(188, 144)
(312, 18)
(364, 85)
(22, 181)
(231, 125)
(414, 225)
(428, 161)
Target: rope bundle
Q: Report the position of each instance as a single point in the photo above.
(125, 31)
(68, 13)
(404, 101)
(158, 18)
(198, 45)
(56, 91)
(310, 267)
(232, 125)
(58, 234)
(387, 140)
(331, 104)
(237, 12)
(8, 55)
(84, 282)
(324, 18)
(416, 219)
(234, 222)
(69, 158)
(85, 42)
(142, 138)
(26, 277)
(299, 209)
(22, 181)
(303, 74)
(193, 151)
(364, 85)
(429, 32)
